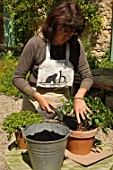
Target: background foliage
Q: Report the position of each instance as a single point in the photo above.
(7, 65)
(27, 17)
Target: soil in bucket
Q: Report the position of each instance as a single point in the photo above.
(45, 135)
(46, 143)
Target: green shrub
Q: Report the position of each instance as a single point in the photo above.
(93, 61)
(90, 10)
(27, 17)
(18, 120)
(105, 61)
(7, 65)
(102, 116)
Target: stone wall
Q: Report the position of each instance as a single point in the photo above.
(104, 38)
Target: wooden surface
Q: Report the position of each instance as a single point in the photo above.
(102, 77)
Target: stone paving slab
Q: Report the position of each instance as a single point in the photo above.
(19, 160)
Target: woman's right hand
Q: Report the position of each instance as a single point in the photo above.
(44, 103)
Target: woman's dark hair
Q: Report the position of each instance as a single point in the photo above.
(66, 16)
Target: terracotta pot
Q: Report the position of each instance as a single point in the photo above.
(81, 142)
(20, 140)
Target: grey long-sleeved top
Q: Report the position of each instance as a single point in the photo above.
(34, 53)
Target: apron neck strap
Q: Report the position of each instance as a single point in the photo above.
(48, 51)
(67, 51)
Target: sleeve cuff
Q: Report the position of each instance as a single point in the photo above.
(87, 84)
(30, 91)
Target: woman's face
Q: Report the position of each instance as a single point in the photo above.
(61, 37)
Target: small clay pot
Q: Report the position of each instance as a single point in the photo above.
(81, 142)
(20, 140)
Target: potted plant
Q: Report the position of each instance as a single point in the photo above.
(14, 122)
(81, 140)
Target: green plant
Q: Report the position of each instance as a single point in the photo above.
(92, 60)
(105, 61)
(7, 65)
(90, 10)
(102, 116)
(26, 18)
(16, 120)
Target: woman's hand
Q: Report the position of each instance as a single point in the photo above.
(80, 109)
(44, 103)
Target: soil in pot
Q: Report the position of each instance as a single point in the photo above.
(70, 122)
(80, 142)
(45, 135)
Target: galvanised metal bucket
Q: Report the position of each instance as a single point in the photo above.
(46, 155)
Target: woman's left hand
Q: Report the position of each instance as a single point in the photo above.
(80, 109)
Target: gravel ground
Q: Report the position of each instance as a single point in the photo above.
(7, 106)
(11, 104)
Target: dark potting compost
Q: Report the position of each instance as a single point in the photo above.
(67, 120)
(45, 135)
(70, 122)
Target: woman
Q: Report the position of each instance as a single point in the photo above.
(52, 60)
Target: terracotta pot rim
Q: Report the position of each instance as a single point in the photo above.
(83, 134)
